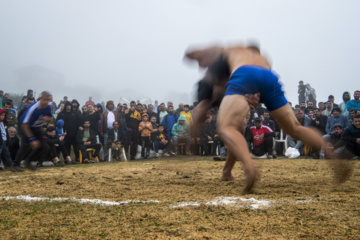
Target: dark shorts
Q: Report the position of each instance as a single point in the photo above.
(250, 79)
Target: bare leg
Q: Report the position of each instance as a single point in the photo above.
(229, 164)
(232, 113)
(287, 121)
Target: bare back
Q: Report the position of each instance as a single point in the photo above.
(240, 56)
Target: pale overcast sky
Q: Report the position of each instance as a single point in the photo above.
(133, 49)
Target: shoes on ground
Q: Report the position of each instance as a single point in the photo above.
(167, 154)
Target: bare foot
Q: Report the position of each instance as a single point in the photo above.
(250, 180)
(227, 178)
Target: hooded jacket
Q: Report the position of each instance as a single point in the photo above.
(342, 105)
(181, 129)
(71, 121)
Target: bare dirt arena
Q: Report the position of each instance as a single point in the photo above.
(179, 198)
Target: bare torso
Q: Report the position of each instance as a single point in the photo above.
(240, 56)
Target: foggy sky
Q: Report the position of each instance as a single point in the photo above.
(134, 49)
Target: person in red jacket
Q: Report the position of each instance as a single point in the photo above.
(262, 139)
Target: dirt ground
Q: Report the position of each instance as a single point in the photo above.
(149, 201)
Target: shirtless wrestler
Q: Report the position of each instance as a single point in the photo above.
(251, 73)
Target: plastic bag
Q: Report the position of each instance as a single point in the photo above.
(292, 153)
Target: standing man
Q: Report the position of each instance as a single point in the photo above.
(133, 118)
(30, 130)
(355, 103)
(107, 119)
(251, 73)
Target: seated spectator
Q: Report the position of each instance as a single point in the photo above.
(187, 114)
(4, 151)
(351, 138)
(145, 128)
(209, 134)
(262, 139)
(310, 106)
(266, 121)
(336, 118)
(11, 119)
(355, 103)
(181, 134)
(116, 140)
(335, 140)
(162, 141)
(328, 109)
(56, 145)
(86, 139)
(305, 121)
(318, 121)
(13, 142)
(303, 106)
(352, 113)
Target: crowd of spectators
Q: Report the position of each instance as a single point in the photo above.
(74, 130)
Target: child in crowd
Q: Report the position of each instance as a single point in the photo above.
(187, 114)
(4, 151)
(162, 141)
(145, 129)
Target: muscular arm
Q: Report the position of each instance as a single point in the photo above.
(26, 129)
(205, 57)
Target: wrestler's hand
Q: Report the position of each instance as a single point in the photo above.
(253, 100)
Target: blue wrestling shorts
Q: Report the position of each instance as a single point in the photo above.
(251, 79)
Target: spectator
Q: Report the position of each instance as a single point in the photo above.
(331, 98)
(122, 121)
(181, 134)
(107, 119)
(11, 119)
(267, 121)
(351, 138)
(30, 93)
(31, 135)
(53, 106)
(335, 140)
(90, 101)
(161, 112)
(60, 109)
(169, 103)
(336, 118)
(346, 98)
(169, 121)
(180, 109)
(310, 94)
(65, 99)
(162, 141)
(133, 119)
(352, 114)
(156, 105)
(57, 146)
(301, 91)
(116, 141)
(303, 106)
(262, 139)
(321, 106)
(209, 134)
(187, 115)
(13, 142)
(309, 107)
(86, 139)
(151, 112)
(5, 156)
(328, 109)
(22, 104)
(145, 128)
(76, 107)
(355, 103)
(72, 122)
(139, 108)
(305, 121)
(318, 121)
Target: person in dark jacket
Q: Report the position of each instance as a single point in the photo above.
(133, 118)
(56, 145)
(13, 142)
(71, 127)
(86, 138)
(318, 120)
(209, 134)
(351, 138)
(116, 140)
(162, 141)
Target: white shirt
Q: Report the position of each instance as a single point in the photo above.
(110, 120)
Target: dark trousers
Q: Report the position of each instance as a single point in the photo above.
(26, 153)
(5, 155)
(71, 142)
(209, 148)
(132, 141)
(145, 146)
(95, 146)
(166, 147)
(56, 150)
(265, 147)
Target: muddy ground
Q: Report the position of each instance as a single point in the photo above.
(301, 201)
